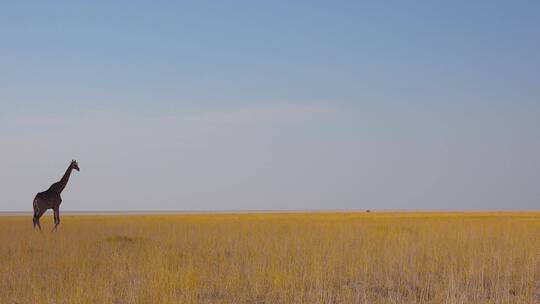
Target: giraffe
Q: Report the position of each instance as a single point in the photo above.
(50, 199)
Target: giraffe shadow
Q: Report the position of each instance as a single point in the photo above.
(123, 239)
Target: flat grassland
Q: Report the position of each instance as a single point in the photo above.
(352, 257)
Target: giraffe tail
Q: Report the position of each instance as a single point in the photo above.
(36, 205)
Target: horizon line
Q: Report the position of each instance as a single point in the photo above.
(241, 211)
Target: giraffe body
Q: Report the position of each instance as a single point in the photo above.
(51, 198)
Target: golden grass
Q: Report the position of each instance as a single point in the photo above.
(273, 258)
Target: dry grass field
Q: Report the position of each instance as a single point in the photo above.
(273, 258)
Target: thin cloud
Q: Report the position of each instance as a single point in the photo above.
(270, 113)
(125, 133)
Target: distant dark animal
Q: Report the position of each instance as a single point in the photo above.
(368, 211)
(50, 199)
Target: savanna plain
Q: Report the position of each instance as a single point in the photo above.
(377, 257)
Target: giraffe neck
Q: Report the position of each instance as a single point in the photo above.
(63, 182)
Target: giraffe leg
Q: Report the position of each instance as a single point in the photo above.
(56, 218)
(37, 215)
(36, 211)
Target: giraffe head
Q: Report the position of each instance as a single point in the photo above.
(75, 165)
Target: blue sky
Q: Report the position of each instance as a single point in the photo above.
(252, 105)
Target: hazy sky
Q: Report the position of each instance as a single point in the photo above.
(271, 104)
